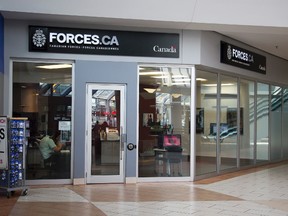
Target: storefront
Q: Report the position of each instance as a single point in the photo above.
(140, 104)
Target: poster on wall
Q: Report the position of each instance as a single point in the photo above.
(3, 143)
(64, 125)
(147, 119)
(232, 117)
(200, 120)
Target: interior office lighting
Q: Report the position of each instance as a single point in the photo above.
(150, 90)
(151, 73)
(54, 66)
(180, 76)
(201, 79)
(214, 85)
(160, 77)
(179, 80)
(180, 83)
(174, 95)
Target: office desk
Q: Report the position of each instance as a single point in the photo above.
(110, 151)
(166, 159)
(160, 161)
(65, 160)
(36, 168)
(34, 157)
(61, 165)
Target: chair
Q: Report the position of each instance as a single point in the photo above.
(173, 155)
(160, 161)
(47, 164)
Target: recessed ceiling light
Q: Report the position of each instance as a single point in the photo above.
(160, 77)
(201, 79)
(181, 80)
(214, 85)
(54, 66)
(178, 76)
(180, 83)
(152, 73)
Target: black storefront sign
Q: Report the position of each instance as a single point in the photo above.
(103, 42)
(236, 56)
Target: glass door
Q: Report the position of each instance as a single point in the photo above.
(105, 133)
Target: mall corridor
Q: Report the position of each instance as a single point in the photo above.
(256, 191)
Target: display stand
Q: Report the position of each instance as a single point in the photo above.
(13, 142)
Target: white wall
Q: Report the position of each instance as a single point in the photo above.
(232, 12)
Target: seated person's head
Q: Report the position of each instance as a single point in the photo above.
(56, 136)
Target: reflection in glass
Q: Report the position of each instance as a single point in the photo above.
(285, 123)
(228, 122)
(42, 92)
(276, 122)
(206, 118)
(105, 150)
(262, 122)
(164, 121)
(247, 122)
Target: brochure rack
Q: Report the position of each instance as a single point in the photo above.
(13, 144)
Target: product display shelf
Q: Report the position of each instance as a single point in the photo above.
(12, 178)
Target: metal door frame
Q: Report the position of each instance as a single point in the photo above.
(105, 178)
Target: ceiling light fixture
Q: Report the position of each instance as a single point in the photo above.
(152, 73)
(180, 83)
(54, 66)
(176, 95)
(179, 80)
(214, 85)
(150, 90)
(201, 79)
(160, 77)
(180, 76)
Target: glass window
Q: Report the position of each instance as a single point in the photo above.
(228, 122)
(206, 122)
(276, 122)
(285, 123)
(247, 122)
(262, 116)
(42, 92)
(164, 119)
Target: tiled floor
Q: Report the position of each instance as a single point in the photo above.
(257, 191)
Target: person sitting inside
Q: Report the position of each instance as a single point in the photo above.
(49, 146)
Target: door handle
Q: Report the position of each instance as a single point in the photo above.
(123, 138)
(131, 146)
